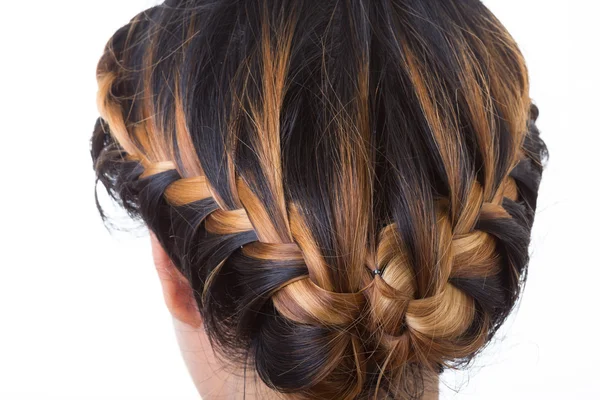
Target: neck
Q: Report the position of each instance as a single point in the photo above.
(431, 389)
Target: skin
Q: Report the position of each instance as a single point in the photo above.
(212, 377)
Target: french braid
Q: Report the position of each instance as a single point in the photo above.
(349, 193)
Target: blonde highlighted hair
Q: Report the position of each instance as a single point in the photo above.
(348, 186)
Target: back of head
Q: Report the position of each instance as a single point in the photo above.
(348, 186)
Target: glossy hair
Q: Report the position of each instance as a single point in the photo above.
(283, 150)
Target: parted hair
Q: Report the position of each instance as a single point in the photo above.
(348, 186)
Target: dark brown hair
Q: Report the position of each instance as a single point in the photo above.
(349, 186)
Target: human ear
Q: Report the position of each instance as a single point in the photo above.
(177, 291)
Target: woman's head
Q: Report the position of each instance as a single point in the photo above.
(345, 188)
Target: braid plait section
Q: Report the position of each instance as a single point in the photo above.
(267, 301)
(479, 270)
(251, 290)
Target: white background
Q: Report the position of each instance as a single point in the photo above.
(81, 314)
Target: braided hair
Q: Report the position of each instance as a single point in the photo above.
(348, 186)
